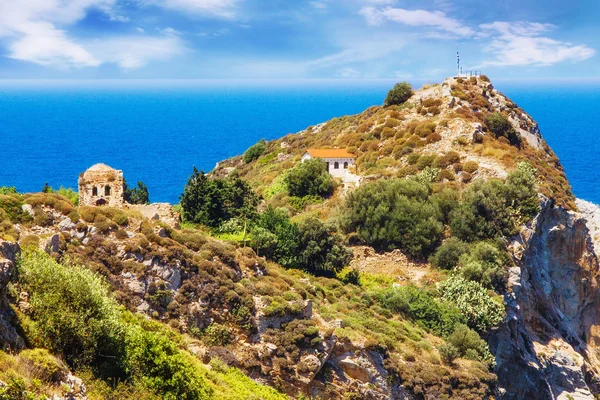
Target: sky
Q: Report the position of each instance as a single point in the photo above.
(298, 39)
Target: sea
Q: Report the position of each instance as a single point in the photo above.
(157, 131)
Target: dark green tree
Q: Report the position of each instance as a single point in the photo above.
(310, 178)
(137, 195)
(399, 94)
(214, 201)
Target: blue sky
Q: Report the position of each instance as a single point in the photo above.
(297, 39)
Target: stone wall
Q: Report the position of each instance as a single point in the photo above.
(101, 185)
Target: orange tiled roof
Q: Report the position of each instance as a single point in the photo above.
(330, 153)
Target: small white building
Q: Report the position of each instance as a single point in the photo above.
(339, 161)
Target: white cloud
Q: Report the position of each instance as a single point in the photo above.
(35, 32)
(131, 52)
(432, 19)
(520, 43)
(220, 8)
(318, 5)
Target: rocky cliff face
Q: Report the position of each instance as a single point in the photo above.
(547, 347)
(8, 257)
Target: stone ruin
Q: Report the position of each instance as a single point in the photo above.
(101, 185)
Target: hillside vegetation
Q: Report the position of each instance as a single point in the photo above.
(281, 281)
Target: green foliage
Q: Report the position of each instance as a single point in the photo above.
(321, 250)
(399, 94)
(495, 208)
(440, 317)
(309, 178)
(468, 343)
(449, 353)
(158, 364)
(217, 335)
(500, 126)
(486, 263)
(276, 237)
(8, 190)
(447, 255)
(137, 195)
(254, 151)
(311, 245)
(10, 206)
(471, 298)
(214, 201)
(395, 213)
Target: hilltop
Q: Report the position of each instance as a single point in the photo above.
(457, 264)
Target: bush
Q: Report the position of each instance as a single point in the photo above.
(449, 353)
(395, 213)
(310, 178)
(321, 250)
(276, 237)
(470, 166)
(471, 298)
(439, 317)
(399, 94)
(468, 343)
(47, 367)
(500, 126)
(254, 151)
(487, 264)
(494, 208)
(218, 335)
(448, 254)
(73, 313)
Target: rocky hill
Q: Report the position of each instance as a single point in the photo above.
(479, 279)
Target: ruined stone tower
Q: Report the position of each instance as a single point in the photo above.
(101, 185)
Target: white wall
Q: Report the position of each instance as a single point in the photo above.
(340, 172)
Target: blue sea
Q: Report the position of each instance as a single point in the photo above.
(157, 132)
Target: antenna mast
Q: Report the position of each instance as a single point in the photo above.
(457, 62)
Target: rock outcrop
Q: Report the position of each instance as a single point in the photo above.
(9, 252)
(546, 349)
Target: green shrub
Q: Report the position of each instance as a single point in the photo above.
(448, 254)
(218, 335)
(471, 298)
(73, 313)
(309, 178)
(8, 190)
(254, 151)
(440, 317)
(495, 208)
(449, 353)
(321, 250)
(500, 126)
(468, 343)
(11, 205)
(399, 94)
(395, 213)
(70, 194)
(486, 263)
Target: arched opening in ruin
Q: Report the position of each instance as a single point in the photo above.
(101, 202)
(107, 190)
(95, 191)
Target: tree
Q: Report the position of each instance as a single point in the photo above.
(47, 188)
(138, 195)
(500, 126)
(214, 201)
(310, 178)
(255, 151)
(399, 94)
